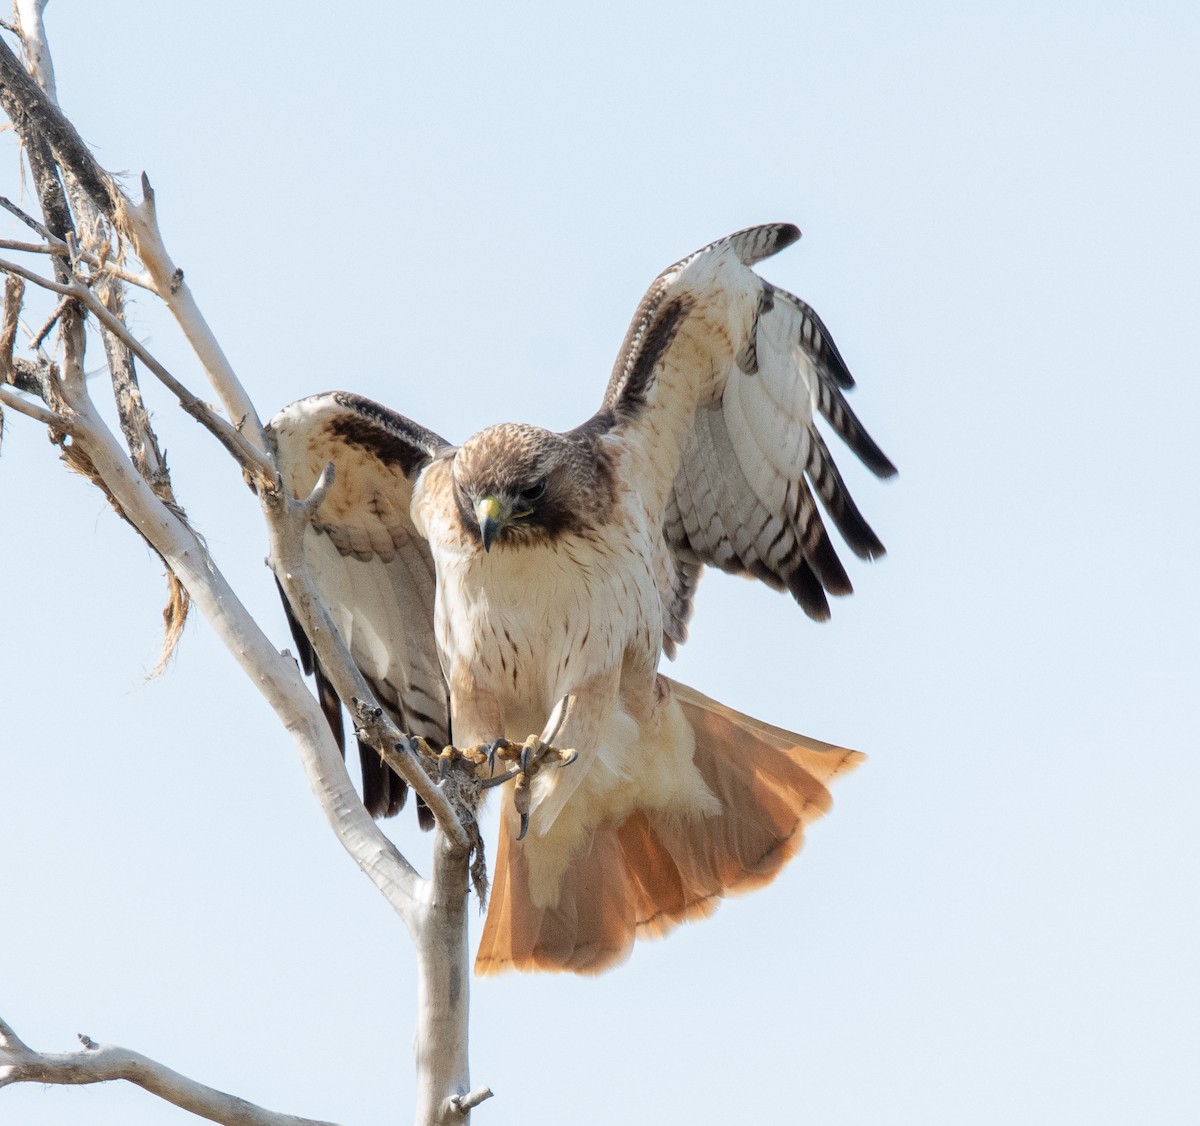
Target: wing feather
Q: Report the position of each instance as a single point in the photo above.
(373, 569)
(715, 396)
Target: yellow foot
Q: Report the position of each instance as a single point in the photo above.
(529, 757)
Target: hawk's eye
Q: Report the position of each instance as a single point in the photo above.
(533, 493)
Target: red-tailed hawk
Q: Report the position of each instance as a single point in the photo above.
(478, 586)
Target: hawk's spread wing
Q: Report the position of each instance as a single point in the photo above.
(717, 387)
(372, 568)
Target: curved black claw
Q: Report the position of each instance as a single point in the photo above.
(526, 752)
(524, 826)
(494, 746)
(498, 779)
(407, 743)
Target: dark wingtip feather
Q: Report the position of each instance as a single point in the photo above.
(304, 650)
(807, 591)
(331, 708)
(753, 244)
(832, 404)
(860, 537)
(384, 791)
(830, 486)
(425, 816)
(787, 234)
(876, 460)
(817, 338)
(826, 565)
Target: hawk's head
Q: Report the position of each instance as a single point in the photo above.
(519, 485)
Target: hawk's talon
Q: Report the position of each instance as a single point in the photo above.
(521, 800)
(417, 745)
(533, 750)
(498, 779)
(524, 761)
(495, 745)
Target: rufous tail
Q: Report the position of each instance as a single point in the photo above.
(655, 869)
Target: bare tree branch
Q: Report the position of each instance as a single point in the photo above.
(29, 247)
(248, 456)
(14, 293)
(32, 31)
(25, 103)
(32, 410)
(34, 114)
(28, 220)
(433, 910)
(62, 233)
(93, 245)
(102, 1063)
(104, 267)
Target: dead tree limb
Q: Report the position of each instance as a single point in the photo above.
(103, 1063)
(75, 191)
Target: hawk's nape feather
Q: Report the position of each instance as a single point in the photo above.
(556, 564)
(371, 567)
(762, 365)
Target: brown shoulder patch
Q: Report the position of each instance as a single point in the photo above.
(393, 439)
(658, 337)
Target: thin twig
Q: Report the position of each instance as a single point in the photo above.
(247, 455)
(14, 294)
(462, 1105)
(29, 221)
(9, 1039)
(102, 267)
(107, 270)
(48, 327)
(36, 411)
(29, 247)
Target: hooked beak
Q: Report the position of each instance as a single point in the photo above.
(490, 514)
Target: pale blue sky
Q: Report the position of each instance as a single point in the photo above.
(455, 210)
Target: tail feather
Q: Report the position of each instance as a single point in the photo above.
(654, 868)
(588, 930)
(666, 894)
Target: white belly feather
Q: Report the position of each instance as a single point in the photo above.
(532, 624)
